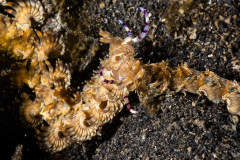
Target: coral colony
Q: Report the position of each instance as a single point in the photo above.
(61, 119)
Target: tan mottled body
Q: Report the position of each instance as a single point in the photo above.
(184, 79)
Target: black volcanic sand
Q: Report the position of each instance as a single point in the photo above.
(204, 34)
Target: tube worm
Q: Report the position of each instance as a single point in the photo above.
(79, 127)
(28, 14)
(49, 45)
(51, 137)
(31, 111)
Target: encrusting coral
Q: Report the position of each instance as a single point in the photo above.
(60, 118)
